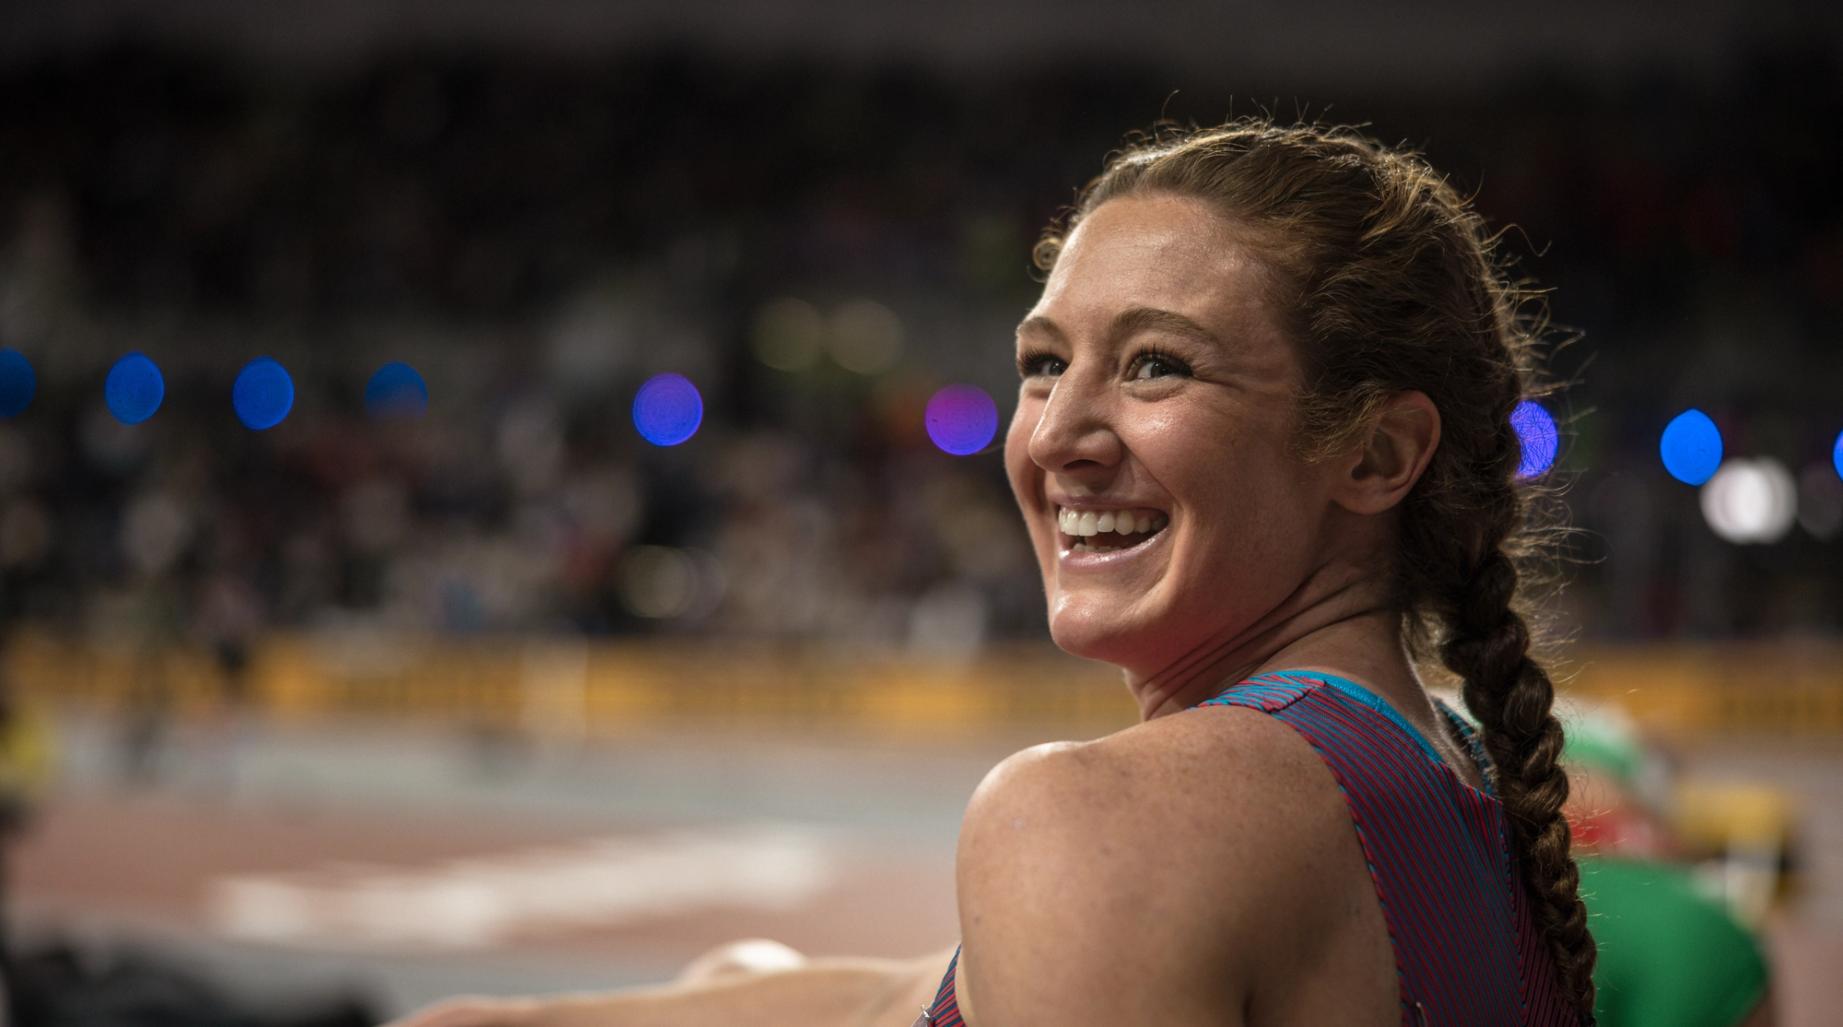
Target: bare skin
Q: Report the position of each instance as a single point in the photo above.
(1223, 825)
(1220, 826)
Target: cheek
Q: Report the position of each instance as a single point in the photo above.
(1259, 531)
(1242, 494)
(1200, 462)
(1216, 454)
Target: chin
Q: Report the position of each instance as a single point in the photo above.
(1079, 629)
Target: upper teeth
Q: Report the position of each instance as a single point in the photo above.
(1125, 522)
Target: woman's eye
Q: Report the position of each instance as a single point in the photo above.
(1156, 365)
(1029, 365)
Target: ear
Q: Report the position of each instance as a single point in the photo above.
(1393, 455)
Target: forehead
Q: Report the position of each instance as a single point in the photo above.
(1166, 252)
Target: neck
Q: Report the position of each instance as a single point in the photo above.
(1343, 626)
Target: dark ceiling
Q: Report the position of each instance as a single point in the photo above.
(1436, 43)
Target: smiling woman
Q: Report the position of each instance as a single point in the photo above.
(1130, 402)
(1264, 451)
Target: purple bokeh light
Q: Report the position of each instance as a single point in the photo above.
(668, 409)
(1537, 435)
(961, 419)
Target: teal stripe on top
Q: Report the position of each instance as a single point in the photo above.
(1373, 701)
(1380, 705)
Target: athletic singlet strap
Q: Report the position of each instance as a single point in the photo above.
(944, 1011)
(1438, 851)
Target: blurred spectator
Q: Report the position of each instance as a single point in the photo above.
(818, 247)
(1670, 953)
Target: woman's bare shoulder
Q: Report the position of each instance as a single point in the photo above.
(1168, 862)
(1220, 763)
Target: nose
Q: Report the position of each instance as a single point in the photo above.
(1074, 432)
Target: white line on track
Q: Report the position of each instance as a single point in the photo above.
(479, 902)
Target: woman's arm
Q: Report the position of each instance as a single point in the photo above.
(845, 992)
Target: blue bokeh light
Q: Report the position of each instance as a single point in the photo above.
(668, 409)
(134, 389)
(1691, 447)
(1537, 436)
(396, 390)
(263, 394)
(18, 383)
(1836, 455)
(961, 419)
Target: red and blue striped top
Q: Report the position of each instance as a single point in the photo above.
(1467, 950)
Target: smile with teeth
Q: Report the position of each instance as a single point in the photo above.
(1109, 529)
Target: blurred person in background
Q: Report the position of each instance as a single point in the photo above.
(1264, 453)
(1671, 954)
(227, 621)
(156, 624)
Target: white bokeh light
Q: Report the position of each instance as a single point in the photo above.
(1750, 501)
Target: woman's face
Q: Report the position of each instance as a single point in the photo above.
(1158, 392)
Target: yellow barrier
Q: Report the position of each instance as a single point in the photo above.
(569, 686)
(1696, 688)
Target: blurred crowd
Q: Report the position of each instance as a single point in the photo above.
(818, 247)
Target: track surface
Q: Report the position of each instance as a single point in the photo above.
(413, 864)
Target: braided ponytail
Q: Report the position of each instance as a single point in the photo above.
(1391, 282)
(1487, 646)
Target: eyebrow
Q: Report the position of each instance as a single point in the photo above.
(1128, 322)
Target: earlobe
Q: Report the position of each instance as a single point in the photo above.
(1395, 453)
